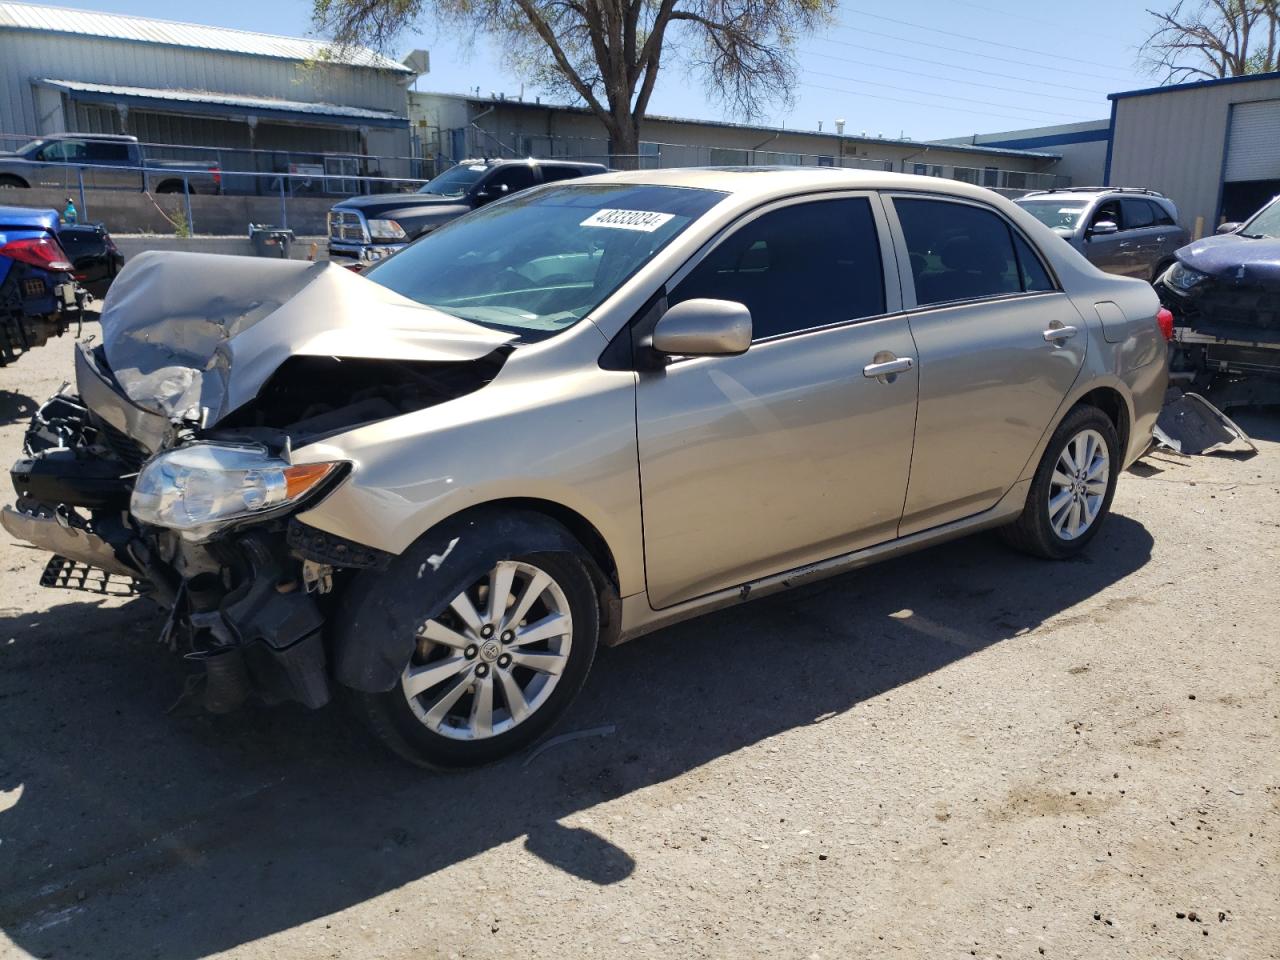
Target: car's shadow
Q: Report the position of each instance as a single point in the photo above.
(132, 833)
(15, 407)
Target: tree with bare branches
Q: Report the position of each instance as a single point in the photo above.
(1210, 39)
(607, 53)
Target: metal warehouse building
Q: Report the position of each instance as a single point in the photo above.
(453, 126)
(65, 70)
(1212, 146)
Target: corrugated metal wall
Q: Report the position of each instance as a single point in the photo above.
(26, 54)
(1175, 141)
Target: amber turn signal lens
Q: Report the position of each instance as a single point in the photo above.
(298, 480)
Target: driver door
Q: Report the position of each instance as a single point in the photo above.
(795, 451)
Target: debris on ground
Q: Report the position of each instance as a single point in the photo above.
(1191, 425)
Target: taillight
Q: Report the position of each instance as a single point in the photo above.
(1164, 320)
(217, 176)
(39, 252)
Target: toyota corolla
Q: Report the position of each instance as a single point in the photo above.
(572, 417)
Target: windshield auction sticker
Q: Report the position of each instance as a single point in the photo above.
(644, 221)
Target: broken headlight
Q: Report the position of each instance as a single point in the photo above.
(1182, 278)
(199, 489)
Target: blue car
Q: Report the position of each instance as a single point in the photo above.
(39, 296)
(1224, 294)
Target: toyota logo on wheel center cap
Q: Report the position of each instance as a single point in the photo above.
(490, 650)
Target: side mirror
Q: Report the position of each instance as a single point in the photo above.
(703, 328)
(1231, 226)
(1103, 227)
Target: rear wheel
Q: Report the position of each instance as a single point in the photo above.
(1072, 489)
(9, 182)
(496, 668)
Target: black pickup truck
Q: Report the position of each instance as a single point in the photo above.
(363, 230)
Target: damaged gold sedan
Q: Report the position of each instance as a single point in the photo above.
(570, 418)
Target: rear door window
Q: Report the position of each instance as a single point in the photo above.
(105, 151)
(960, 252)
(1160, 214)
(1137, 213)
(516, 177)
(552, 174)
(798, 267)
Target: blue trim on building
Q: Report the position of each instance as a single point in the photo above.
(1057, 139)
(1111, 143)
(1274, 75)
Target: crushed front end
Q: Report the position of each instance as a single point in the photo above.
(1224, 294)
(175, 468)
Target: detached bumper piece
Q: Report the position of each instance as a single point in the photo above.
(73, 575)
(1191, 425)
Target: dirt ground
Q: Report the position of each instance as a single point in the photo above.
(960, 753)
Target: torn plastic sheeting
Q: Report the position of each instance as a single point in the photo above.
(1190, 424)
(187, 331)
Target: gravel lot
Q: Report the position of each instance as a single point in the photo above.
(961, 753)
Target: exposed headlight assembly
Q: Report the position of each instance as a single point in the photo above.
(385, 230)
(199, 489)
(1182, 278)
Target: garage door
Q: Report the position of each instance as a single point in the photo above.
(1253, 145)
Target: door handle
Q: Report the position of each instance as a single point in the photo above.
(887, 368)
(1059, 334)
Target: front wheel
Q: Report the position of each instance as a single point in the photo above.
(1072, 489)
(496, 668)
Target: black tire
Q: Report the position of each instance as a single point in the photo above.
(389, 714)
(1033, 532)
(170, 187)
(9, 182)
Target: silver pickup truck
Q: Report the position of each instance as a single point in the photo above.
(106, 162)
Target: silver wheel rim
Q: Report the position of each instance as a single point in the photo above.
(493, 657)
(1079, 484)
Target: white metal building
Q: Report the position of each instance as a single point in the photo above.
(453, 126)
(1213, 146)
(64, 70)
(1082, 146)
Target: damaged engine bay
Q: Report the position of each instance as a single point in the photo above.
(191, 413)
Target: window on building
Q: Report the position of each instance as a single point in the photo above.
(961, 252)
(990, 176)
(799, 267)
(826, 161)
(928, 170)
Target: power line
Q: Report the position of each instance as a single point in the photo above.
(933, 76)
(957, 66)
(915, 103)
(938, 96)
(1056, 25)
(952, 49)
(995, 43)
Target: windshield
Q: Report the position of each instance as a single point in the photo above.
(1054, 213)
(541, 261)
(455, 181)
(1265, 223)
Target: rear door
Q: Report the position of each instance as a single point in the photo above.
(999, 347)
(1140, 228)
(111, 160)
(795, 451)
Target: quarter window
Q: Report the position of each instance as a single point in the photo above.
(962, 252)
(802, 266)
(552, 174)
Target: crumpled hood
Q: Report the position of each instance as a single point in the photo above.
(1234, 257)
(196, 334)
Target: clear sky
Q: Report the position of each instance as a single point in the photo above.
(931, 69)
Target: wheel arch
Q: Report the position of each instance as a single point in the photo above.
(1110, 395)
(13, 180)
(1113, 403)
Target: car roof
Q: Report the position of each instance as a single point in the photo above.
(766, 182)
(1087, 194)
(534, 161)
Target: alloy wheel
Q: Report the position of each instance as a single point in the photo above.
(1079, 484)
(493, 657)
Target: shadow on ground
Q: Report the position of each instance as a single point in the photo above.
(15, 407)
(138, 834)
